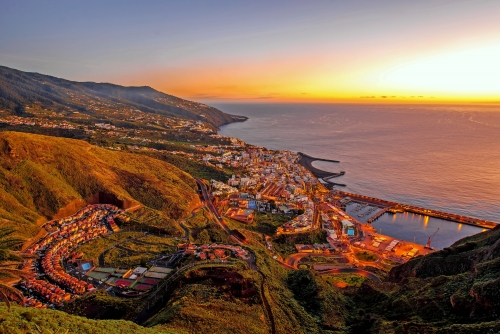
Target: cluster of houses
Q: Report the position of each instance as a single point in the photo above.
(50, 292)
(220, 188)
(41, 122)
(335, 223)
(214, 251)
(301, 223)
(270, 177)
(42, 118)
(65, 236)
(242, 207)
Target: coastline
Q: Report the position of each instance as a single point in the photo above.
(324, 177)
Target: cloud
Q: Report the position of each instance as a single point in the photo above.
(392, 97)
(227, 87)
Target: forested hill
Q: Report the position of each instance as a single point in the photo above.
(18, 89)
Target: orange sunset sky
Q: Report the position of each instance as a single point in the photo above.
(284, 51)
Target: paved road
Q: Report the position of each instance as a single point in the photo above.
(186, 230)
(217, 217)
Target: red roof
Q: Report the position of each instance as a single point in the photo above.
(142, 287)
(123, 282)
(150, 281)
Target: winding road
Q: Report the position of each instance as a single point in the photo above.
(208, 203)
(356, 271)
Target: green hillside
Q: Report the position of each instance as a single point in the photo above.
(18, 89)
(32, 320)
(39, 175)
(455, 290)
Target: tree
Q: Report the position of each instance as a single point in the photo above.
(9, 260)
(19, 110)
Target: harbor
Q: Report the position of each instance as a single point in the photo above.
(417, 228)
(394, 207)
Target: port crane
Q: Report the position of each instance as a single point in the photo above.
(428, 245)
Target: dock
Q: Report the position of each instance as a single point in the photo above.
(377, 215)
(399, 207)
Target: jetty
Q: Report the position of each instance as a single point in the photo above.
(307, 160)
(394, 207)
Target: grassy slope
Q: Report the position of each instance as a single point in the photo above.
(457, 288)
(40, 175)
(290, 312)
(200, 307)
(195, 168)
(22, 320)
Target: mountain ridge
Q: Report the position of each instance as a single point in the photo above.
(18, 89)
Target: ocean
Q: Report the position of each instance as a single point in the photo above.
(442, 157)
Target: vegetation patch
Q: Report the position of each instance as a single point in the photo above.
(285, 243)
(366, 256)
(344, 280)
(94, 248)
(195, 168)
(22, 320)
(214, 300)
(267, 223)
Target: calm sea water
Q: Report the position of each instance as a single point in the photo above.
(441, 157)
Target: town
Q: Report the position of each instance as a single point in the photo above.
(314, 231)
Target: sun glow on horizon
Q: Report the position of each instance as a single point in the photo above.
(464, 75)
(467, 72)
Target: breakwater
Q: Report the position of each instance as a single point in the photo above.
(415, 209)
(307, 160)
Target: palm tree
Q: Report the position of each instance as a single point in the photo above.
(9, 261)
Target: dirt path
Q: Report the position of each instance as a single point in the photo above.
(266, 303)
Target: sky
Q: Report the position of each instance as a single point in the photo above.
(265, 51)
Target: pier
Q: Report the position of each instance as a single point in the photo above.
(377, 215)
(399, 207)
